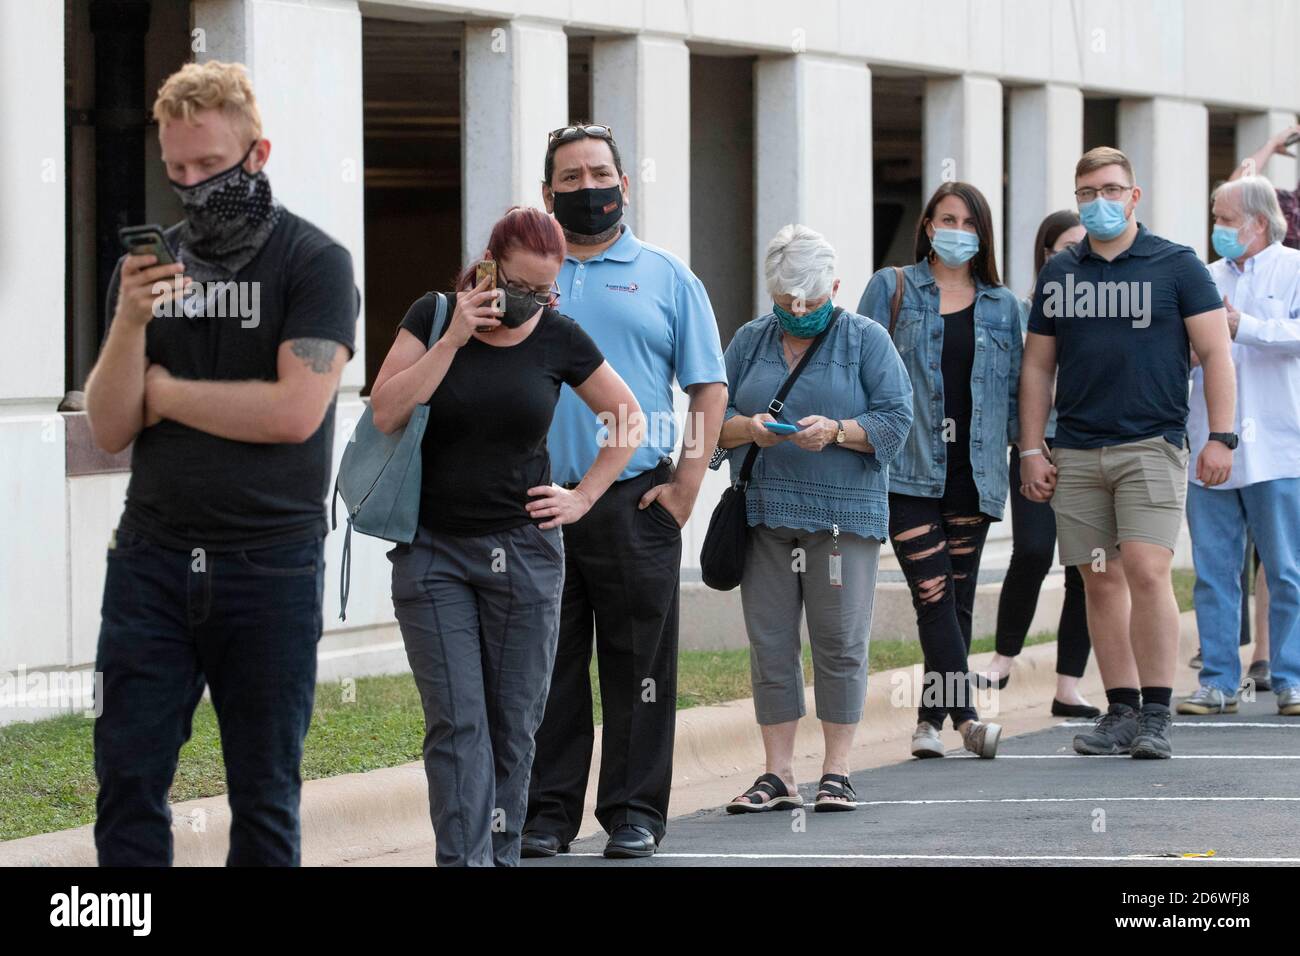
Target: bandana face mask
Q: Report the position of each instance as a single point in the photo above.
(229, 217)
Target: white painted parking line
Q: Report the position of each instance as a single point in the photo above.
(1129, 757)
(887, 803)
(957, 858)
(1200, 723)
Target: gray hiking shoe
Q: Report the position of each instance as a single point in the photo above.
(1112, 734)
(1152, 740)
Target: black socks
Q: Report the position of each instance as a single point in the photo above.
(1157, 695)
(1128, 696)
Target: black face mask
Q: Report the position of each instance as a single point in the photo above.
(518, 309)
(229, 217)
(589, 212)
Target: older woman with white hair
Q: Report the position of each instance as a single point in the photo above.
(817, 506)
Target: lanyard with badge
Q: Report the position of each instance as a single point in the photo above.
(836, 580)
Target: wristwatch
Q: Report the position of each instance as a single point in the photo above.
(841, 436)
(1228, 438)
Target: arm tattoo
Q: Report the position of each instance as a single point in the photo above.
(317, 354)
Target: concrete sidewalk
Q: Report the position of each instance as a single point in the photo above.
(381, 817)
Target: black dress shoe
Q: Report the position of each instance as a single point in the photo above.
(629, 841)
(1074, 710)
(534, 844)
(984, 683)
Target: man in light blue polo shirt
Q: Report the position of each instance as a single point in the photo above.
(652, 320)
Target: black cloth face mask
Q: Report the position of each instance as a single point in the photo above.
(229, 217)
(589, 212)
(518, 308)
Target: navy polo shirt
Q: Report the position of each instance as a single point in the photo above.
(1122, 350)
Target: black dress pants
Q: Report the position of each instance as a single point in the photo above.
(622, 580)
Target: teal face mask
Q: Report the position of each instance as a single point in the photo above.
(807, 325)
(955, 246)
(1103, 218)
(1227, 242)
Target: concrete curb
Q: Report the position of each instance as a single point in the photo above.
(368, 818)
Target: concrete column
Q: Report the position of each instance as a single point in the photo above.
(305, 63)
(33, 527)
(1168, 143)
(514, 92)
(962, 140)
(1252, 131)
(641, 87)
(812, 138)
(1046, 142)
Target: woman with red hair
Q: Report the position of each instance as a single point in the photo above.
(477, 594)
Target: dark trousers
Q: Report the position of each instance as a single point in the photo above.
(622, 577)
(941, 565)
(248, 624)
(1033, 540)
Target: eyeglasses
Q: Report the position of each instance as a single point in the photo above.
(1110, 191)
(549, 297)
(566, 133)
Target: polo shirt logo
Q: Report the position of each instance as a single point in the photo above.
(616, 287)
(1098, 300)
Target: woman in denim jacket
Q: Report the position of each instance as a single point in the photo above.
(817, 505)
(958, 334)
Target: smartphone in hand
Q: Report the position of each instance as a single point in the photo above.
(487, 269)
(781, 428)
(146, 241)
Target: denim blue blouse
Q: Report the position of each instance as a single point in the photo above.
(857, 374)
(921, 468)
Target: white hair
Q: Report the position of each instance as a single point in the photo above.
(799, 262)
(1258, 198)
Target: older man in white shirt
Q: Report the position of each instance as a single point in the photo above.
(1260, 282)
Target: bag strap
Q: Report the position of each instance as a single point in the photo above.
(777, 403)
(437, 326)
(898, 300)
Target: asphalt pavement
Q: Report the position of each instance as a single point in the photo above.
(1231, 790)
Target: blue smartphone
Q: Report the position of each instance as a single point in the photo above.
(781, 428)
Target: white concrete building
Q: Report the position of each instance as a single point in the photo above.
(405, 127)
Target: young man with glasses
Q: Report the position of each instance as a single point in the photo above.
(651, 318)
(1116, 313)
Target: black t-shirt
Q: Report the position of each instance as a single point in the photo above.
(1121, 340)
(957, 362)
(190, 489)
(485, 442)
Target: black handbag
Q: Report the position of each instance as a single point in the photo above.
(722, 557)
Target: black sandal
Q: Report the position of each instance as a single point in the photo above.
(773, 788)
(835, 794)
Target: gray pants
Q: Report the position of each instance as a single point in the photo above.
(773, 592)
(480, 618)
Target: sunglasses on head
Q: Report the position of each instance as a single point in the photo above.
(566, 133)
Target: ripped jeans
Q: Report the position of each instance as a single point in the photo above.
(938, 542)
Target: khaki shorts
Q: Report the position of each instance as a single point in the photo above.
(1106, 496)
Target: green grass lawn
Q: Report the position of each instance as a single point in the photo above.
(47, 780)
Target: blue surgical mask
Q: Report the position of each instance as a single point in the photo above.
(1103, 218)
(1227, 242)
(955, 246)
(807, 325)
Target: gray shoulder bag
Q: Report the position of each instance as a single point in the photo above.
(379, 477)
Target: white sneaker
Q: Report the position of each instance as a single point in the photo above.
(926, 741)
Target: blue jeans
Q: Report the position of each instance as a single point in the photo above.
(247, 623)
(1218, 521)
